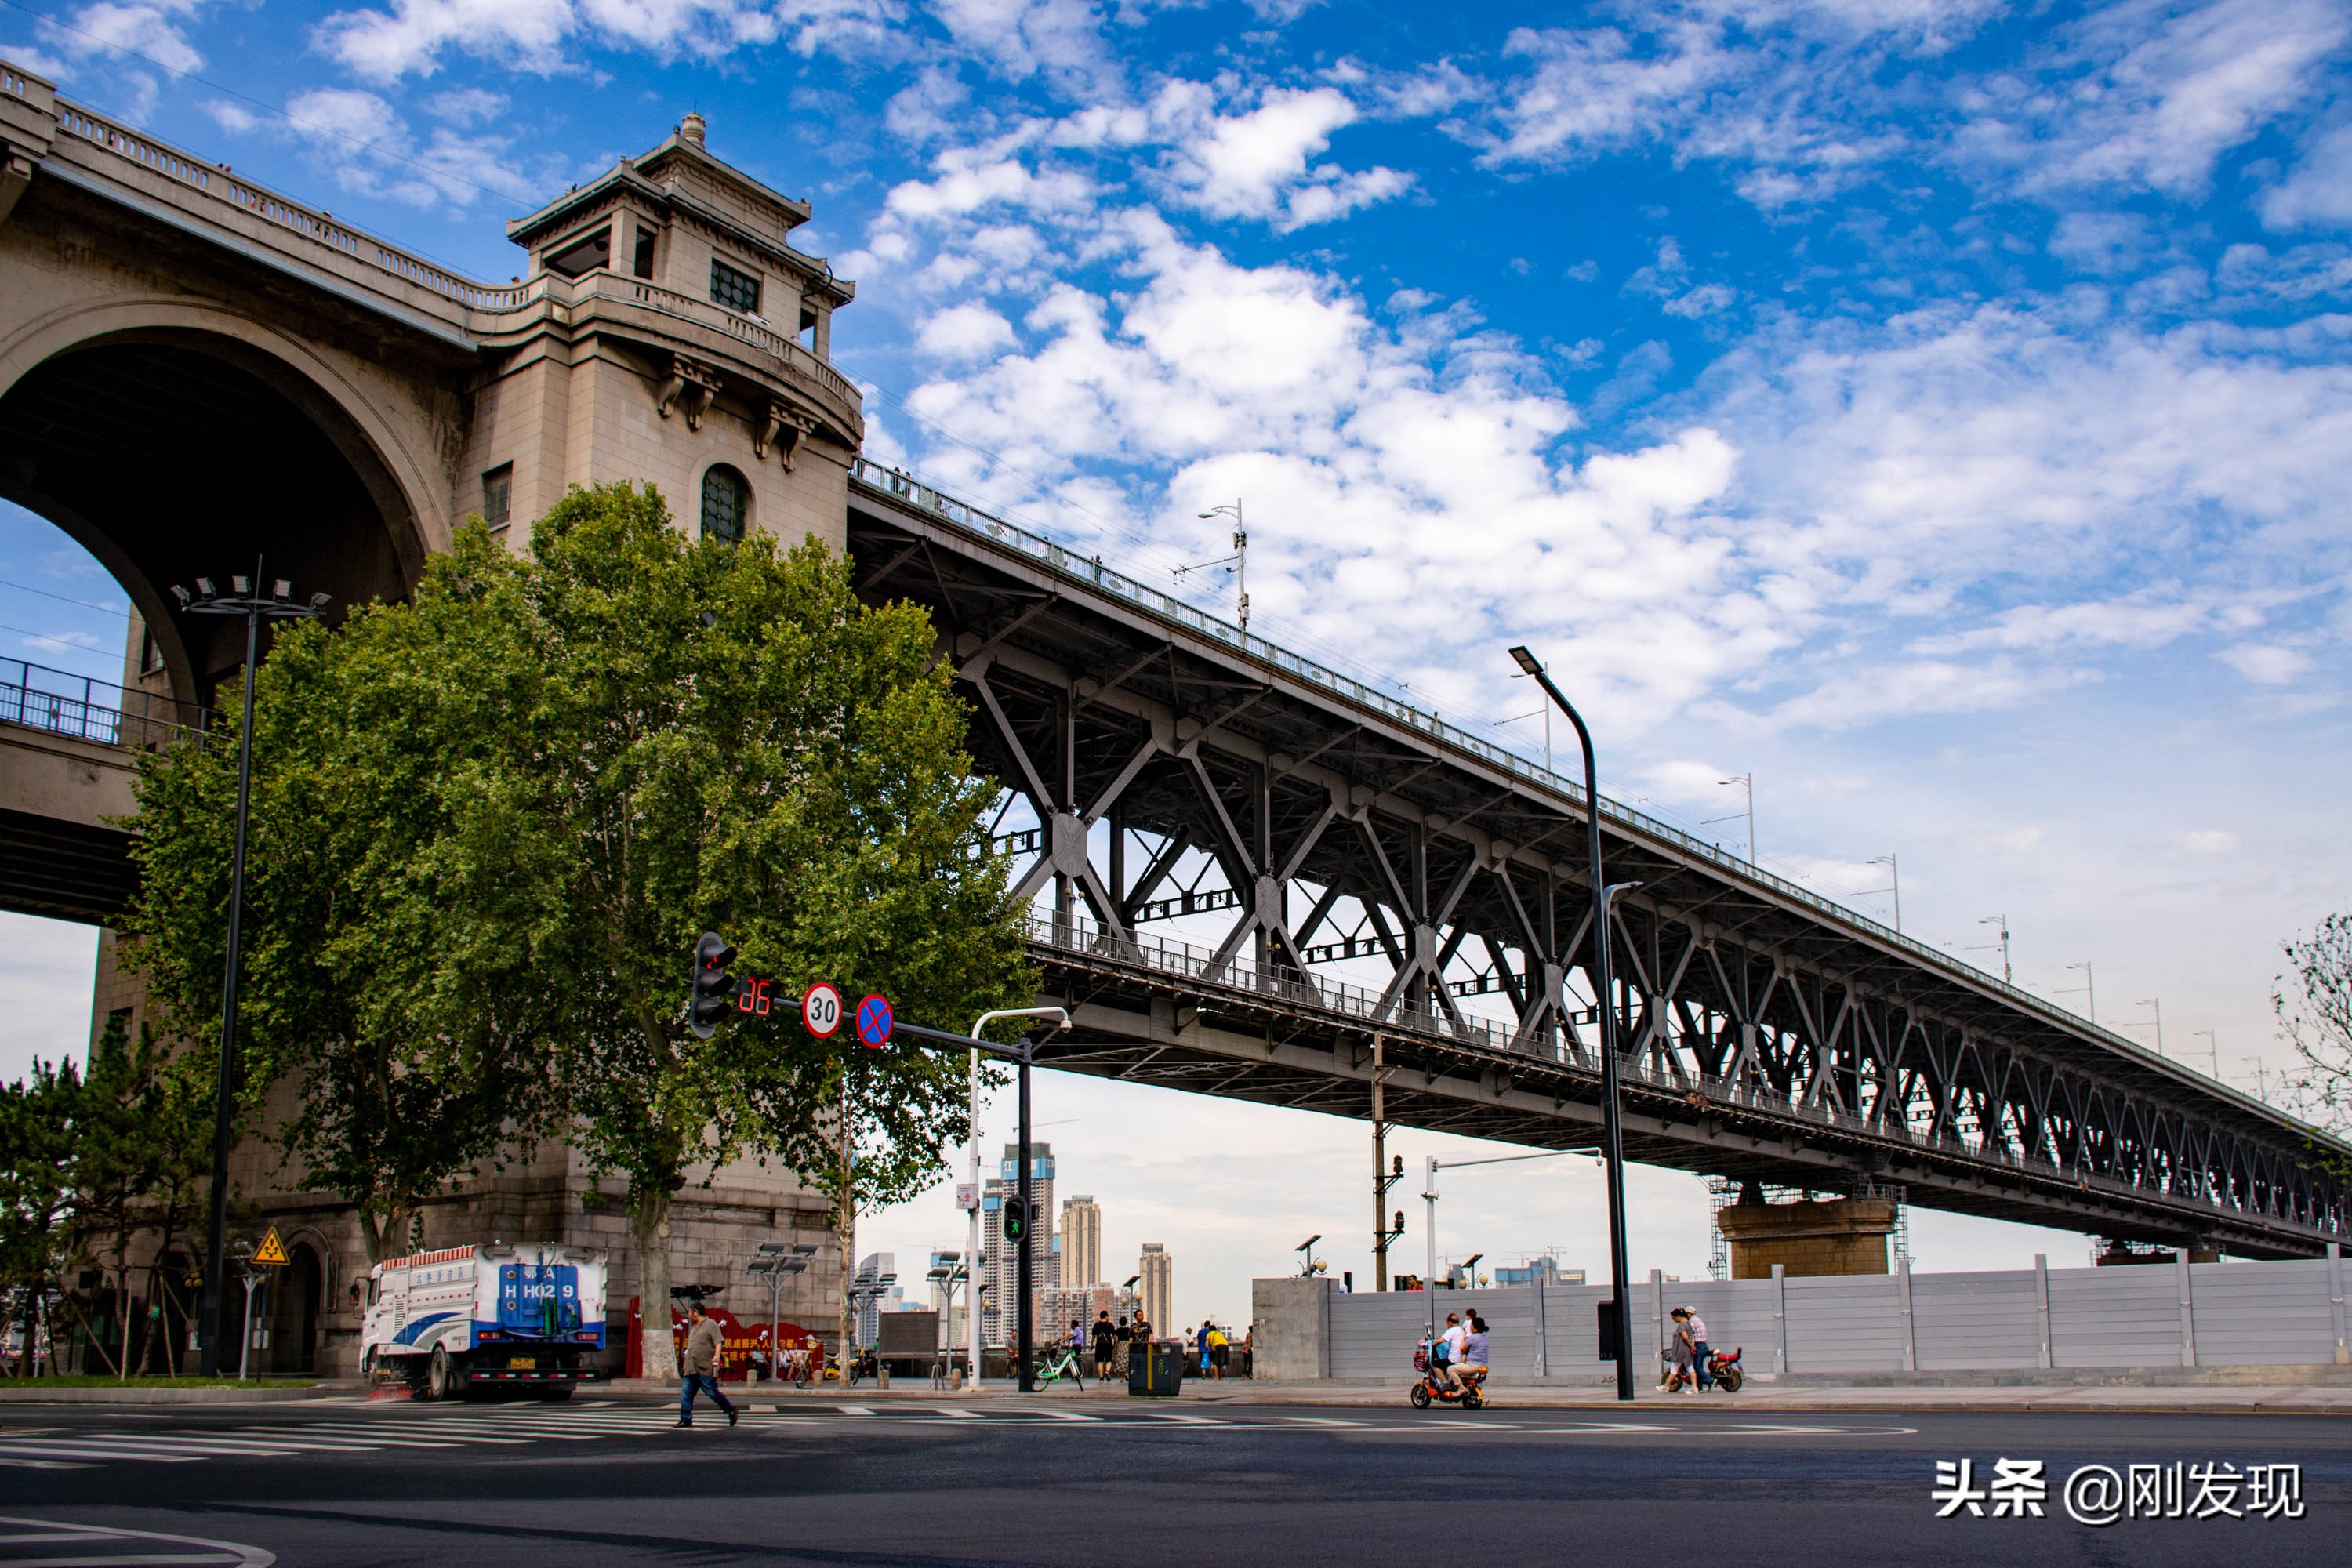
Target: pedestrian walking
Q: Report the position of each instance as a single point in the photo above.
(702, 1342)
(1700, 1352)
(1107, 1337)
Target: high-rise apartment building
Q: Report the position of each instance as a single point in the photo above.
(1158, 1288)
(875, 1299)
(999, 1313)
(1081, 1242)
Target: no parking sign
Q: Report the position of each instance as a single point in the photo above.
(874, 1022)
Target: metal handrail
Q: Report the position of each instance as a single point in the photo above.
(59, 702)
(1245, 978)
(1089, 570)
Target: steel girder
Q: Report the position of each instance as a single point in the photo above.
(1170, 771)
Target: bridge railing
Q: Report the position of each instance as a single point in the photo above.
(1243, 976)
(1088, 569)
(212, 181)
(59, 702)
(703, 312)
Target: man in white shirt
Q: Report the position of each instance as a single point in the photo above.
(1450, 1348)
(1698, 1347)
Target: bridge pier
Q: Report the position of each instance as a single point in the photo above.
(1847, 1236)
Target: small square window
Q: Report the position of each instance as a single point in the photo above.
(498, 495)
(643, 262)
(151, 655)
(736, 289)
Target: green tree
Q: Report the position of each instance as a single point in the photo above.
(2314, 1003)
(139, 1161)
(391, 916)
(729, 739)
(489, 825)
(38, 1118)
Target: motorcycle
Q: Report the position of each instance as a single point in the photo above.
(1722, 1366)
(1432, 1388)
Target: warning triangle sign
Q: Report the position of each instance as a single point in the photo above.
(273, 1251)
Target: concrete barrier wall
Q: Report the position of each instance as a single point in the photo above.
(2153, 1316)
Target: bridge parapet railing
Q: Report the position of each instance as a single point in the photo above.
(80, 707)
(215, 183)
(703, 312)
(1164, 955)
(1081, 567)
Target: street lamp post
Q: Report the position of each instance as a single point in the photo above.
(1240, 559)
(244, 598)
(1613, 1138)
(972, 1307)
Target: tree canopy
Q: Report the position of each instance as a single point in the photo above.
(489, 825)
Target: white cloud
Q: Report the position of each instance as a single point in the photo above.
(2265, 664)
(964, 332)
(2212, 841)
(2318, 193)
(367, 145)
(156, 29)
(2143, 96)
(412, 37)
(1260, 163)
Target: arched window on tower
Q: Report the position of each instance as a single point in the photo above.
(726, 503)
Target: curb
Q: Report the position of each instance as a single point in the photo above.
(158, 1395)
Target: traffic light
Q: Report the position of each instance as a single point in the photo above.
(1016, 1218)
(714, 988)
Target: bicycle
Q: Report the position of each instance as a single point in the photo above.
(1062, 1364)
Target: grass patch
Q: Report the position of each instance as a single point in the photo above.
(102, 1380)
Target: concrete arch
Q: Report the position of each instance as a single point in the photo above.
(358, 421)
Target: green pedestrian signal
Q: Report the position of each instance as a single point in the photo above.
(1016, 1219)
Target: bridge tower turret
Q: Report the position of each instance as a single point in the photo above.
(673, 334)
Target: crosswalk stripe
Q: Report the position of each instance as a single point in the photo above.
(1066, 1415)
(94, 1451)
(1179, 1418)
(15, 1464)
(958, 1411)
(852, 1410)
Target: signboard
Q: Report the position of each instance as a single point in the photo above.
(820, 1010)
(874, 1022)
(967, 1196)
(272, 1254)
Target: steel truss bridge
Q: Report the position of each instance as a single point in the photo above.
(1169, 766)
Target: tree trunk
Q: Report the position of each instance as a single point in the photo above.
(649, 1216)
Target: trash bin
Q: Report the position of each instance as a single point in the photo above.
(1157, 1371)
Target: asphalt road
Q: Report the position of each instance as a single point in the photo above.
(831, 1482)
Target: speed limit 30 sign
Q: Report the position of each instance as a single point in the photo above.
(820, 1010)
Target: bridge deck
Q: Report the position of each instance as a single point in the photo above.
(1772, 1033)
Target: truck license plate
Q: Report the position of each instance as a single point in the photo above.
(524, 1364)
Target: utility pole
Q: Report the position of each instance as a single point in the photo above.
(2213, 1046)
(2001, 922)
(1240, 559)
(2156, 1005)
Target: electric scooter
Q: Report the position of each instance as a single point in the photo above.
(1432, 1388)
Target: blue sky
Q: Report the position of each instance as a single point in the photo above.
(1941, 411)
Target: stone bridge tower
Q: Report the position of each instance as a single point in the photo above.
(193, 368)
